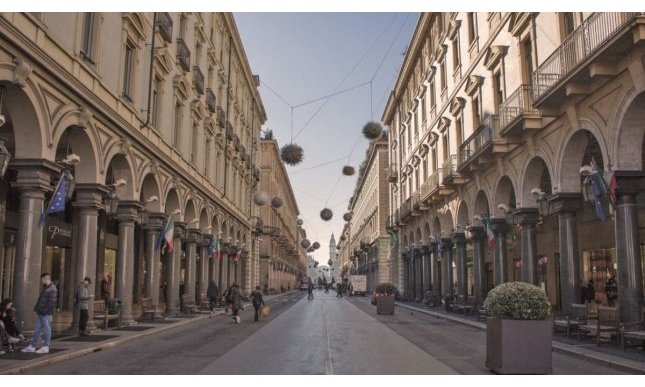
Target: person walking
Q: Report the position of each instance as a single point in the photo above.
(258, 302)
(105, 289)
(236, 302)
(591, 292)
(44, 309)
(82, 300)
(339, 292)
(213, 295)
(310, 291)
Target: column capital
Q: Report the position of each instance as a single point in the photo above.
(499, 225)
(90, 196)
(192, 235)
(628, 182)
(128, 211)
(526, 216)
(447, 241)
(34, 174)
(566, 202)
(155, 221)
(476, 232)
(426, 249)
(459, 238)
(206, 240)
(180, 228)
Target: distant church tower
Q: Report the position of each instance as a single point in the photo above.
(333, 267)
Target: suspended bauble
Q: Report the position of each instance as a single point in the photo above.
(276, 202)
(261, 198)
(305, 243)
(347, 217)
(348, 170)
(372, 130)
(310, 249)
(330, 262)
(316, 245)
(300, 222)
(291, 154)
(326, 214)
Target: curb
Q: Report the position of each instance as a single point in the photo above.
(581, 353)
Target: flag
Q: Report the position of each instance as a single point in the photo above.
(57, 203)
(490, 242)
(237, 255)
(167, 234)
(596, 184)
(218, 250)
(612, 186)
(211, 248)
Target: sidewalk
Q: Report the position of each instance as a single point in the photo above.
(69, 346)
(632, 360)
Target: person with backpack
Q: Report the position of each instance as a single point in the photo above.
(44, 310)
(236, 302)
(258, 302)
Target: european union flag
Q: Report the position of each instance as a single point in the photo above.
(597, 193)
(57, 203)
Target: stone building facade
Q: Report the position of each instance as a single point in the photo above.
(497, 121)
(160, 115)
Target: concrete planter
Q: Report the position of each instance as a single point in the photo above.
(385, 305)
(518, 346)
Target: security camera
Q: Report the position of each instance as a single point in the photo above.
(537, 192)
(503, 207)
(152, 199)
(587, 170)
(2, 120)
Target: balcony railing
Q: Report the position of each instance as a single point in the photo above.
(449, 167)
(183, 55)
(198, 80)
(164, 22)
(582, 43)
(483, 136)
(221, 117)
(517, 104)
(210, 100)
(406, 209)
(392, 173)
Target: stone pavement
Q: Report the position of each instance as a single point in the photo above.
(632, 360)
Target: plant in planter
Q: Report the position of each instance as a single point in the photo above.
(291, 154)
(372, 130)
(348, 170)
(261, 198)
(326, 214)
(305, 243)
(276, 202)
(518, 329)
(347, 217)
(385, 294)
(316, 245)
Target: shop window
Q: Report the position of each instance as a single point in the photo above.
(109, 270)
(599, 266)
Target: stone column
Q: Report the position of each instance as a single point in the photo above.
(435, 272)
(418, 275)
(127, 214)
(479, 289)
(500, 261)
(446, 268)
(89, 200)
(153, 262)
(224, 269)
(174, 270)
(204, 261)
(630, 275)
(459, 239)
(191, 262)
(425, 262)
(411, 275)
(405, 288)
(566, 205)
(33, 180)
(528, 218)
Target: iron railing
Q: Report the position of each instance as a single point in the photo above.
(183, 54)
(582, 43)
(198, 80)
(483, 136)
(392, 173)
(449, 167)
(211, 102)
(221, 117)
(164, 22)
(517, 104)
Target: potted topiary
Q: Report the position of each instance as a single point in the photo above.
(385, 293)
(518, 329)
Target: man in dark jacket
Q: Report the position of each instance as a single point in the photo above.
(213, 295)
(44, 309)
(236, 302)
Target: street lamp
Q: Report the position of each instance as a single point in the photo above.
(509, 212)
(542, 199)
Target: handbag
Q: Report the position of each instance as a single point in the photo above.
(266, 311)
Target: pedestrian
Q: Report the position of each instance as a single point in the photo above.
(8, 320)
(310, 291)
(339, 292)
(82, 301)
(44, 309)
(236, 302)
(591, 292)
(258, 302)
(611, 290)
(105, 289)
(326, 288)
(227, 299)
(213, 295)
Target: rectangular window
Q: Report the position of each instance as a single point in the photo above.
(442, 74)
(476, 112)
(128, 64)
(455, 53)
(156, 97)
(498, 91)
(472, 27)
(435, 159)
(207, 158)
(417, 178)
(416, 124)
(423, 109)
(182, 27)
(527, 60)
(193, 151)
(445, 146)
(177, 127)
(568, 24)
(460, 131)
(89, 34)
(433, 102)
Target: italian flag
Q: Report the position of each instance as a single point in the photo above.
(168, 234)
(218, 250)
(490, 236)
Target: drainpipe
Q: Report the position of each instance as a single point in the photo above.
(152, 60)
(228, 92)
(252, 159)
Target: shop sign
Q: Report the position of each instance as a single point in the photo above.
(59, 233)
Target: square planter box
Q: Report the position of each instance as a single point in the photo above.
(385, 305)
(519, 346)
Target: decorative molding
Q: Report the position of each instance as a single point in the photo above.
(473, 84)
(493, 56)
(84, 117)
(444, 124)
(136, 26)
(456, 105)
(164, 61)
(182, 87)
(440, 52)
(124, 146)
(453, 29)
(519, 22)
(21, 72)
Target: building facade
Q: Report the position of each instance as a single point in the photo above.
(283, 261)
(499, 123)
(156, 116)
(365, 241)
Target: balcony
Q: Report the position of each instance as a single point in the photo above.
(229, 131)
(198, 80)
(406, 209)
(450, 175)
(164, 22)
(221, 117)
(432, 186)
(183, 55)
(517, 113)
(480, 148)
(392, 173)
(210, 100)
(588, 52)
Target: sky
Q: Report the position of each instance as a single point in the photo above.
(305, 56)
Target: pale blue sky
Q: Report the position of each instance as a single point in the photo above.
(303, 56)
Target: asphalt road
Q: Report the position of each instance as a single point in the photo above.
(321, 336)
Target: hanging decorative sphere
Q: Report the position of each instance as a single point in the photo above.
(276, 202)
(299, 222)
(347, 217)
(326, 214)
(310, 249)
(305, 243)
(291, 154)
(372, 130)
(261, 198)
(316, 245)
(348, 170)
(330, 262)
